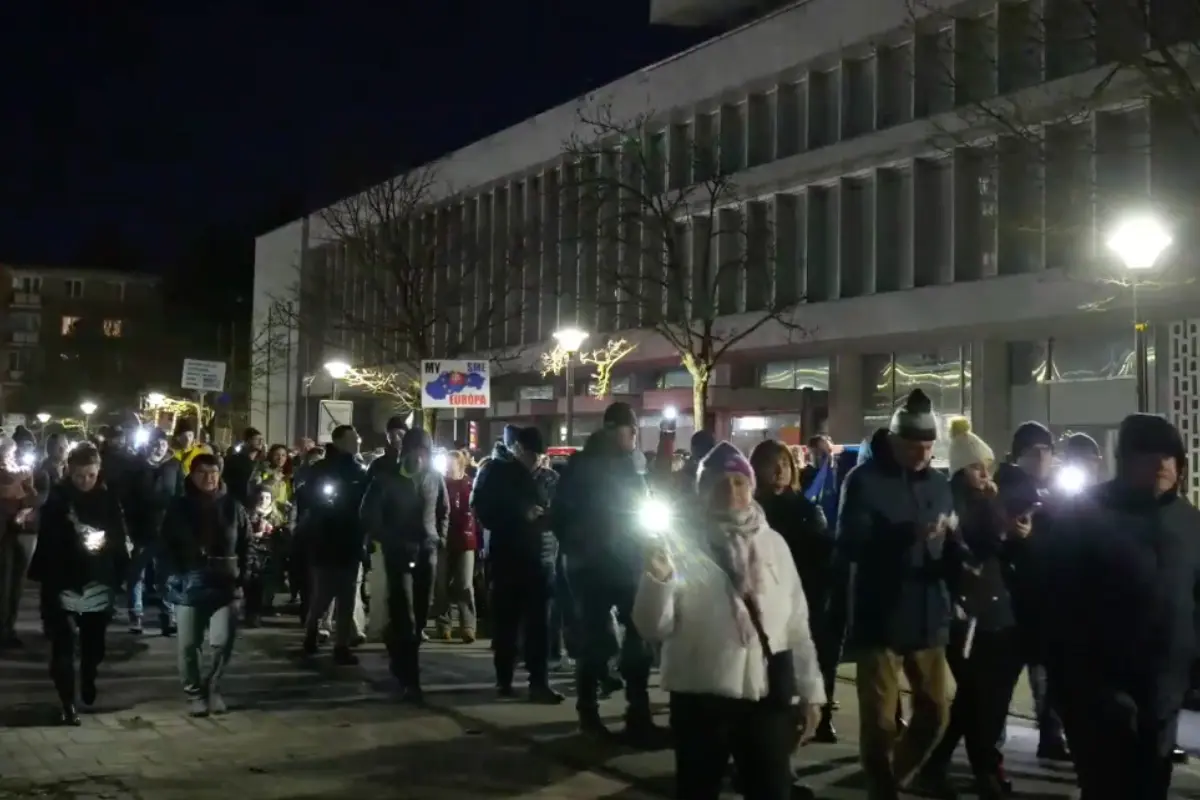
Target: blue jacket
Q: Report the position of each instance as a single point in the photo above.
(900, 596)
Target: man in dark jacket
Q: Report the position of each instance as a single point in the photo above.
(241, 465)
(1029, 474)
(595, 518)
(896, 514)
(1121, 593)
(395, 430)
(515, 509)
(501, 452)
(204, 538)
(406, 515)
(158, 481)
(335, 539)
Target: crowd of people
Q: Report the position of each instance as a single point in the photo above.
(748, 578)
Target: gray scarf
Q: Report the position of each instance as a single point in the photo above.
(733, 533)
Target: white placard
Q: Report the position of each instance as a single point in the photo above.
(455, 384)
(330, 415)
(203, 376)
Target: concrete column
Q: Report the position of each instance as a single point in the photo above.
(991, 415)
(845, 421)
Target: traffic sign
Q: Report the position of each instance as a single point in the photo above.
(330, 415)
(203, 376)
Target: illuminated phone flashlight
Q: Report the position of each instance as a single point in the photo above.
(141, 437)
(654, 516)
(441, 462)
(1070, 479)
(29, 459)
(93, 538)
(329, 490)
(670, 413)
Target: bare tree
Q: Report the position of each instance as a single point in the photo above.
(603, 360)
(674, 246)
(1073, 113)
(407, 275)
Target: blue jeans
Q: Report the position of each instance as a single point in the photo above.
(143, 558)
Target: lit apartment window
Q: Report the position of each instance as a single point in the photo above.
(112, 328)
(74, 289)
(68, 325)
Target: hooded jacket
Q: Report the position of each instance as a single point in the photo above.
(502, 503)
(900, 599)
(407, 513)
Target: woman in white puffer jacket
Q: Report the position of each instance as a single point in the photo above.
(711, 605)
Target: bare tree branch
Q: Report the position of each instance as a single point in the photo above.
(676, 246)
(604, 360)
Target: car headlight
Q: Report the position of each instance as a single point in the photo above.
(1070, 479)
(654, 516)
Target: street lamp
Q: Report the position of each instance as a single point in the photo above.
(570, 340)
(337, 370)
(43, 417)
(156, 399)
(88, 408)
(1139, 241)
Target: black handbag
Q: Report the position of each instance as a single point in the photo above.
(782, 689)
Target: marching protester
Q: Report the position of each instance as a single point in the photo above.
(738, 655)
(985, 651)
(157, 482)
(515, 507)
(266, 523)
(896, 527)
(79, 564)
(1120, 660)
(18, 498)
(186, 445)
(242, 465)
(299, 569)
(405, 514)
(1029, 472)
(456, 565)
(53, 467)
(594, 518)
(205, 535)
(334, 539)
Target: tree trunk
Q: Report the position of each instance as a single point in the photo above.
(700, 402)
(429, 421)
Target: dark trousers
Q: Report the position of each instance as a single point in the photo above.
(521, 607)
(595, 600)
(299, 575)
(708, 731)
(562, 614)
(1116, 759)
(259, 589)
(979, 712)
(1050, 727)
(829, 623)
(70, 634)
(410, 590)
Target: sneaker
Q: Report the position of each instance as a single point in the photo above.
(344, 658)
(135, 624)
(70, 716)
(216, 703)
(323, 637)
(197, 707)
(467, 636)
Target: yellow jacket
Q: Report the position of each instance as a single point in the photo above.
(185, 456)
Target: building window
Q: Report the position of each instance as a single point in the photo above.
(804, 373)
(28, 284)
(26, 322)
(542, 392)
(74, 288)
(112, 328)
(68, 325)
(675, 379)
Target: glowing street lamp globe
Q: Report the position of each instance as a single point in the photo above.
(155, 399)
(1139, 241)
(43, 417)
(337, 369)
(570, 339)
(88, 407)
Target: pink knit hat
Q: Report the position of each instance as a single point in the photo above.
(720, 461)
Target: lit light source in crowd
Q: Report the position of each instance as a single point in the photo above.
(441, 462)
(1070, 479)
(670, 413)
(654, 515)
(570, 339)
(1139, 241)
(43, 417)
(93, 538)
(328, 490)
(29, 459)
(337, 369)
(141, 437)
(88, 407)
(155, 399)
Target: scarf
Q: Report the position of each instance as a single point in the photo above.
(732, 538)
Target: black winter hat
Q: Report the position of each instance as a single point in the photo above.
(1029, 435)
(416, 439)
(914, 419)
(619, 415)
(531, 440)
(250, 433)
(1080, 445)
(701, 444)
(396, 423)
(1150, 434)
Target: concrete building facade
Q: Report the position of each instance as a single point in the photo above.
(928, 247)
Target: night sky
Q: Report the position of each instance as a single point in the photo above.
(144, 136)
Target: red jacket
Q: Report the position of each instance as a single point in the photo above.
(461, 537)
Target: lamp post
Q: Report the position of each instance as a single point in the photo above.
(155, 399)
(337, 370)
(88, 408)
(570, 340)
(1139, 241)
(43, 417)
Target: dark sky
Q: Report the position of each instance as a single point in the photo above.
(145, 128)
